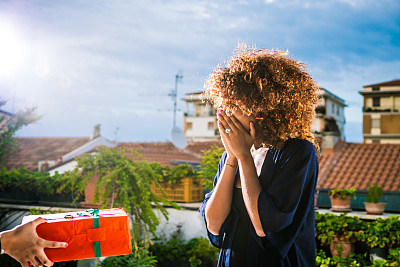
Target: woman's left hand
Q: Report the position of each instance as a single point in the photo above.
(239, 139)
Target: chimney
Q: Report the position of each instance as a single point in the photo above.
(45, 165)
(96, 132)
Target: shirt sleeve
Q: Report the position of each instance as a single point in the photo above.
(285, 203)
(216, 240)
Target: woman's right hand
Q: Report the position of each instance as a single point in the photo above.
(230, 155)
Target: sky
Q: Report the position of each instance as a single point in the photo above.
(82, 63)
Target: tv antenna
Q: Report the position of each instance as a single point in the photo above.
(178, 138)
(174, 93)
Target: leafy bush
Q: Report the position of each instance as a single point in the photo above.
(344, 227)
(195, 252)
(209, 165)
(38, 182)
(383, 233)
(138, 258)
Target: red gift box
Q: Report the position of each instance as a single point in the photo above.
(89, 234)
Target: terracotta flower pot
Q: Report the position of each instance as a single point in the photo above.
(347, 247)
(341, 205)
(375, 208)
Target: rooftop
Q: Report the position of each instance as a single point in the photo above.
(34, 149)
(390, 83)
(360, 165)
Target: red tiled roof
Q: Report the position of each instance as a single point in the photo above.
(360, 165)
(198, 147)
(390, 83)
(164, 152)
(34, 149)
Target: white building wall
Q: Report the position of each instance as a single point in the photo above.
(184, 224)
(200, 127)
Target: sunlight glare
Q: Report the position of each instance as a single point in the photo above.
(12, 50)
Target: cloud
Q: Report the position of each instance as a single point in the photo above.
(114, 62)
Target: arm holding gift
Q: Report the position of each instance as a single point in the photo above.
(23, 244)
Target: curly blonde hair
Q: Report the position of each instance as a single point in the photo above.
(273, 87)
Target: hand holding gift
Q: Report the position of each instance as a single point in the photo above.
(89, 234)
(23, 244)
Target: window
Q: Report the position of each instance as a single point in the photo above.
(376, 101)
(376, 141)
(375, 88)
(210, 125)
(333, 108)
(375, 123)
(189, 126)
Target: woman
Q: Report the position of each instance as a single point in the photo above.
(261, 212)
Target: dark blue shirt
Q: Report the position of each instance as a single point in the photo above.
(286, 208)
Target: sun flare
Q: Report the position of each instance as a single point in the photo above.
(12, 49)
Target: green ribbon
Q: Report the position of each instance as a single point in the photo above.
(96, 224)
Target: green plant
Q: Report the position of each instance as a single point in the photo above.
(172, 250)
(383, 233)
(196, 252)
(9, 125)
(122, 182)
(38, 182)
(353, 260)
(328, 226)
(40, 211)
(374, 193)
(202, 253)
(175, 174)
(139, 257)
(342, 193)
(394, 256)
(209, 165)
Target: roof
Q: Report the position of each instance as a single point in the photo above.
(390, 83)
(360, 165)
(164, 152)
(34, 149)
(199, 147)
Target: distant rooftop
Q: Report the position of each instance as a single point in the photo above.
(390, 83)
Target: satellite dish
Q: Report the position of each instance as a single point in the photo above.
(178, 137)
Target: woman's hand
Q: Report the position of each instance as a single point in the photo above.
(239, 140)
(23, 244)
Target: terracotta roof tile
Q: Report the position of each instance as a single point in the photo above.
(34, 149)
(360, 165)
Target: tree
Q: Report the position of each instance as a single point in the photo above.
(209, 165)
(125, 183)
(9, 125)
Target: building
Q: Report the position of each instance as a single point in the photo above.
(330, 117)
(200, 121)
(381, 112)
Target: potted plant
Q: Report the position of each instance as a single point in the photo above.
(339, 232)
(341, 199)
(373, 206)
